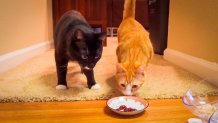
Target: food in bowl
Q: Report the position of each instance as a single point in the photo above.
(126, 109)
(127, 105)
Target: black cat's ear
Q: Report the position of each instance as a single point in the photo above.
(78, 34)
(101, 36)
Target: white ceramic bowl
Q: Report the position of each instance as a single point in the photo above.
(136, 103)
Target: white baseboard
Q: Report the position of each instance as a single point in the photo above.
(203, 68)
(17, 57)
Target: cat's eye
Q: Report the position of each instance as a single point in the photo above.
(84, 57)
(85, 49)
(134, 86)
(123, 85)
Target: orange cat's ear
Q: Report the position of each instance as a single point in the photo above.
(140, 69)
(120, 68)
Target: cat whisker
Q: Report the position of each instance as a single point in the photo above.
(62, 70)
(63, 66)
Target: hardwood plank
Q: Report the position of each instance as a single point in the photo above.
(159, 111)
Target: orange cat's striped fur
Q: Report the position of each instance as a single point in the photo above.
(134, 51)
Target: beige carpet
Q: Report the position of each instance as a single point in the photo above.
(35, 80)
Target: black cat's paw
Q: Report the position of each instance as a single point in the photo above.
(61, 87)
(96, 87)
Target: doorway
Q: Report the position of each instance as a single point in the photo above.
(152, 14)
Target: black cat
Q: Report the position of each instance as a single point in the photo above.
(75, 40)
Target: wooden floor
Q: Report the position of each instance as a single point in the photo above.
(159, 111)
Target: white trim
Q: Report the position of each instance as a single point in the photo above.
(203, 68)
(12, 59)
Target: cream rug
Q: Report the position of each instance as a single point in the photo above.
(35, 80)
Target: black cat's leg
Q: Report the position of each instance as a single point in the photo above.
(90, 79)
(61, 66)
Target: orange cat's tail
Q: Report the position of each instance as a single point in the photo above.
(129, 9)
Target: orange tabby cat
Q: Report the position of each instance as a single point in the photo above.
(134, 51)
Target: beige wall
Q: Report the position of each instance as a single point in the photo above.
(24, 23)
(193, 28)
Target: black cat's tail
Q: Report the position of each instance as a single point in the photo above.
(129, 9)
